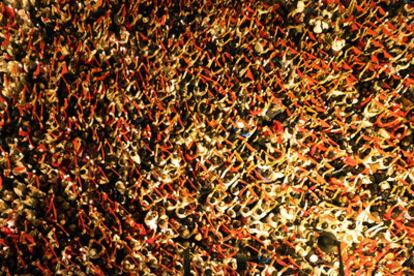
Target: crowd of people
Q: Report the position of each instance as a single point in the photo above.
(206, 137)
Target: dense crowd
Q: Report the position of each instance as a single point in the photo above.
(206, 137)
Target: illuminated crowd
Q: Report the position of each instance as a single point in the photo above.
(206, 137)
